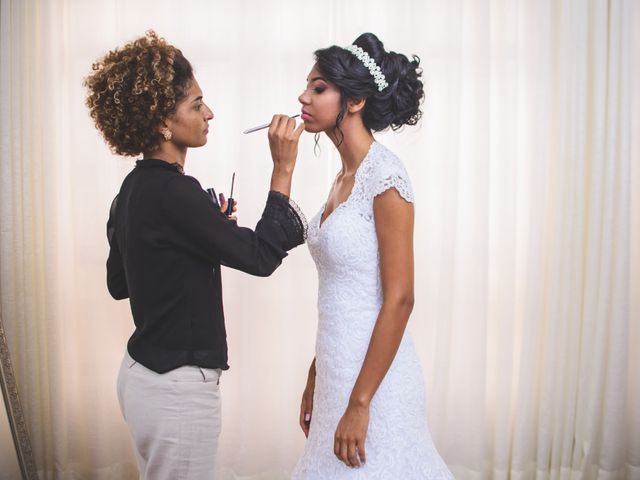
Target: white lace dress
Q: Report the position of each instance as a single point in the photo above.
(345, 250)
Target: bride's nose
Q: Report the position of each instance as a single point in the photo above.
(304, 98)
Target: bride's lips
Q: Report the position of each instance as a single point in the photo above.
(305, 116)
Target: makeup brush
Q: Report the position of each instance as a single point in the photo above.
(266, 125)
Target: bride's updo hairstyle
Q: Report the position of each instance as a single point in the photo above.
(398, 104)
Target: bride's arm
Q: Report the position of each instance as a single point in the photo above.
(306, 405)
(394, 228)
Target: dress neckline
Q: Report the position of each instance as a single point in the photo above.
(357, 176)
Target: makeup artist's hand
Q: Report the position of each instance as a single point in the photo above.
(283, 142)
(225, 204)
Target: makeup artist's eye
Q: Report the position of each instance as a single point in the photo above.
(198, 106)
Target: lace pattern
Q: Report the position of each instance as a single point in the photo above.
(345, 250)
(287, 213)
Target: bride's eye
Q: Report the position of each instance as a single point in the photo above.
(319, 89)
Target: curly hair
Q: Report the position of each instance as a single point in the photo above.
(397, 105)
(133, 89)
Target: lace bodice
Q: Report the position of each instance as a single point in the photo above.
(345, 250)
(345, 246)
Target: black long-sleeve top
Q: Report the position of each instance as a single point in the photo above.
(167, 241)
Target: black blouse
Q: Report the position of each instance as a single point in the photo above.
(167, 241)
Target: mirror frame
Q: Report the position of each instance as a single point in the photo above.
(17, 423)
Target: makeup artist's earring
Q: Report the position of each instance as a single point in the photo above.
(166, 133)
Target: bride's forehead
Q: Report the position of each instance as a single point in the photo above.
(314, 72)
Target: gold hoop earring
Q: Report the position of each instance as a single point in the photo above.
(166, 133)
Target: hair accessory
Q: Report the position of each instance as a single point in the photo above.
(370, 63)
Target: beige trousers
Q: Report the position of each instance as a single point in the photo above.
(174, 419)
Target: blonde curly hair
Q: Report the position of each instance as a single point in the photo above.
(133, 89)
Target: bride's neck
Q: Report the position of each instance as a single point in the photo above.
(354, 147)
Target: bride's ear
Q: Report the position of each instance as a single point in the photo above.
(355, 106)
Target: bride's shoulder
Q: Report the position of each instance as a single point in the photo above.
(386, 170)
(384, 162)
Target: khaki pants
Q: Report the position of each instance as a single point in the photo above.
(174, 419)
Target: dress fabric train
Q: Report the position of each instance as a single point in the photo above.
(345, 250)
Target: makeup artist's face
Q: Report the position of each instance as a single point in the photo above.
(320, 103)
(189, 124)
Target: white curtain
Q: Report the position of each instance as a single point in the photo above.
(527, 188)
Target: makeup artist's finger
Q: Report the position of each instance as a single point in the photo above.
(287, 124)
(233, 218)
(276, 123)
(298, 131)
(223, 207)
(290, 122)
(273, 126)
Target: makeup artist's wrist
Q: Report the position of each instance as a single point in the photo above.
(282, 168)
(281, 180)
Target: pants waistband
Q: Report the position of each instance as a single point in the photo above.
(185, 372)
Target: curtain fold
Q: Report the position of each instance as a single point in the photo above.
(525, 172)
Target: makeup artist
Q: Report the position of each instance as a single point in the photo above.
(167, 241)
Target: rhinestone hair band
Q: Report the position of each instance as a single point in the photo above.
(370, 63)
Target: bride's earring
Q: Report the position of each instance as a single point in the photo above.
(166, 133)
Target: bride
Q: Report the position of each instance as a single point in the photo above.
(363, 409)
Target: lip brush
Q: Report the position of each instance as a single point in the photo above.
(266, 125)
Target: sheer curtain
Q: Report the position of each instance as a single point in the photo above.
(527, 226)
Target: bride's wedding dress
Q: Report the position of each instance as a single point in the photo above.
(345, 250)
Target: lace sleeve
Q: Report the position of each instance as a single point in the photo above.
(287, 213)
(391, 175)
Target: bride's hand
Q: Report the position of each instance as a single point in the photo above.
(350, 435)
(306, 406)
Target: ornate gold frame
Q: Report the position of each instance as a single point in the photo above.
(14, 412)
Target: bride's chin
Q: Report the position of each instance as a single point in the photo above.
(310, 128)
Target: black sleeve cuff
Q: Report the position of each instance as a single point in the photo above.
(288, 215)
(111, 228)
